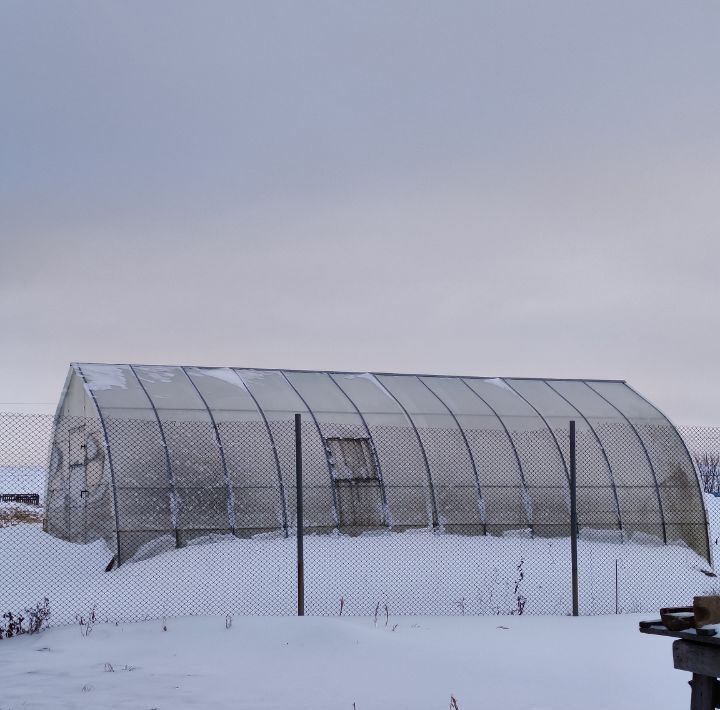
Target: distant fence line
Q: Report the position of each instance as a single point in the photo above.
(27, 498)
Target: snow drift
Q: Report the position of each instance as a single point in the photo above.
(410, 573)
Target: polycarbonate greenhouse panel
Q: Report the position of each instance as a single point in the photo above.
(279, 400)
(181, 452)
(323, 395)
(224, 393)
(405, 473)
(452, 474)
(247, 450)
(595, 480)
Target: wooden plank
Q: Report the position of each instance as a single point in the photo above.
(677, 618)
(703, 692)
(696, 658)
(658, 629)
(706, 610)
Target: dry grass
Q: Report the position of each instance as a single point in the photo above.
(15, 514)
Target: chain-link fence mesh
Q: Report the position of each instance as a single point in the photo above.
(145, 518)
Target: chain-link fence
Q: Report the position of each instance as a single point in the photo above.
(124, 520)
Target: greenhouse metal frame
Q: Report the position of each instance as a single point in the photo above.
(146, 451)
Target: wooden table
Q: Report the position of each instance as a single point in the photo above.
(697, 653)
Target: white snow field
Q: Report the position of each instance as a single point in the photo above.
(313, 663)
(410, 661)
(23, 479)
(412, 573)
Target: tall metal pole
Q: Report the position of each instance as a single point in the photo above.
(299, 519)
(573, 520)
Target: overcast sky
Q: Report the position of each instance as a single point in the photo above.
(479, 188)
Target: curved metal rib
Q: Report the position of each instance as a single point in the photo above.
(218, 441)
(692, 465)
(647, 456)
(110, 462)
(545, 422)
(283, 502)
(433, 501)
(604, 453)
(171, 479)
(376, 457)
(512, 446)
(325, 449)
(481, 506)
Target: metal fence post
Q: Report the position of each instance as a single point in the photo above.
(299, 519)
(573, 520)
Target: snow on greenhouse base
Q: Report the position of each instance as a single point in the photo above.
(412, 573)
(488, 663)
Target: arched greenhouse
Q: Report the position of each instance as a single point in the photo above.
(142, 453)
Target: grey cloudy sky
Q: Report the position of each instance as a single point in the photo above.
(490, 188)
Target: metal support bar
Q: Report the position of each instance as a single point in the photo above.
(481, 506)
(299, 517)
(336, 514)
(171, 480)
(604, 453)
(573, 520)
(521, 473)
(218, 441)
(674, 429)
(110, 463)
(376, 455)
(281, 485)
(647, 456)
(547, 425)
(433, 500)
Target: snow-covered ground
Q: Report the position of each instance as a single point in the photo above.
(23, 479)
(501, 660)
(311, 663)
(411, 573)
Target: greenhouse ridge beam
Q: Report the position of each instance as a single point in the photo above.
(364, 372)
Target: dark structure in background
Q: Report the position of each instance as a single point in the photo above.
(143, 454)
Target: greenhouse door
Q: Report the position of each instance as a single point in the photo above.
(357, 485)
(359, 504)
